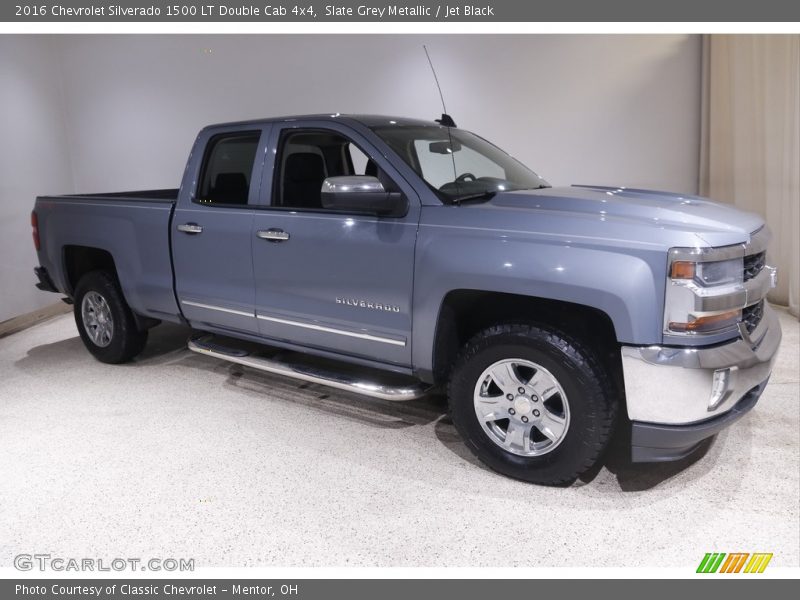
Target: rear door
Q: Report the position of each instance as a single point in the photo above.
(333, 281)
(211, 229)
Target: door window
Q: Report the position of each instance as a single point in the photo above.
(307, 158)
(227, 169)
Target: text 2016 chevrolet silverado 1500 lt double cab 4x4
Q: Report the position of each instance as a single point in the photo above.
(425, 252)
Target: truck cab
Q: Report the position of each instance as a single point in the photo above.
(256, 253)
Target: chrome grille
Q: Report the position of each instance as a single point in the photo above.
(751, 316)
(753, 265)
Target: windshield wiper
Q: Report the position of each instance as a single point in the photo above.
(488, 195)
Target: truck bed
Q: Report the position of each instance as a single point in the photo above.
(170, 195)
(130, 228)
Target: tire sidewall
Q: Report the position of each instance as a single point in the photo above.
(103, 284)
(577, 449)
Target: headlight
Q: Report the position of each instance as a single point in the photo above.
(717, 272)
(694, 274)
(710, 290)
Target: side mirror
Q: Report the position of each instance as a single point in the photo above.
(362, 194)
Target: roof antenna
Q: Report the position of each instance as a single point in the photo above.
(446, 120)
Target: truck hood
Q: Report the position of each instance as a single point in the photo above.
(640, 211)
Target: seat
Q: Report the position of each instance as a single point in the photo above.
(303, 175)
(230, 188)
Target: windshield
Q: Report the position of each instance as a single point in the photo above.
(458, 164)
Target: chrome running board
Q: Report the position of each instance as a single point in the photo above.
(206, 345)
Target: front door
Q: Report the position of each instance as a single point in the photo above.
(329, 280)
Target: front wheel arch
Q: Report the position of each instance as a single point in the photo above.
(466, 312)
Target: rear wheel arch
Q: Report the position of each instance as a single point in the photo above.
(80, 260)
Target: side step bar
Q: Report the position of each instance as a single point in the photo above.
(343, 381)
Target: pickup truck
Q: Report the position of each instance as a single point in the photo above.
(409, 255)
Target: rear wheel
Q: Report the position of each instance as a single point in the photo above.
(532, 403)
(105, 321)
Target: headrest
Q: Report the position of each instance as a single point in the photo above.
(230, 182)
(304, 165)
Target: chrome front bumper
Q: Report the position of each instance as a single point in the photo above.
(686, 386)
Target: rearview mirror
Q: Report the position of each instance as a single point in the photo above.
(444, 147)
(362, 194)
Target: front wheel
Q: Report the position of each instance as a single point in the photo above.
(105, 321)
(532, 403)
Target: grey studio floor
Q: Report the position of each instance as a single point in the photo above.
(180, 455)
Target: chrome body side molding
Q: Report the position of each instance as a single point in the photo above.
(355, 334)
(218, 308)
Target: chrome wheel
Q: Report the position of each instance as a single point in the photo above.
(521, 407)
(97, 319)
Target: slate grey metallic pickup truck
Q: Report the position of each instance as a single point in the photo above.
(409, 255)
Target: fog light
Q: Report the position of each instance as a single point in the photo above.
(720, 388)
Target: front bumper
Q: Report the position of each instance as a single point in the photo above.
(678, 396)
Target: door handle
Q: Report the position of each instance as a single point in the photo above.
(192, 228)
(273, 235)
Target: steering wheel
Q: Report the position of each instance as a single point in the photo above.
(464, 176)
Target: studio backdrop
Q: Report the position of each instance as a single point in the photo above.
(751, 140)
(96, 113)
(108, 113)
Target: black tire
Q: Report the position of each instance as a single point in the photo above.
(126, 341)
(592, 401)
